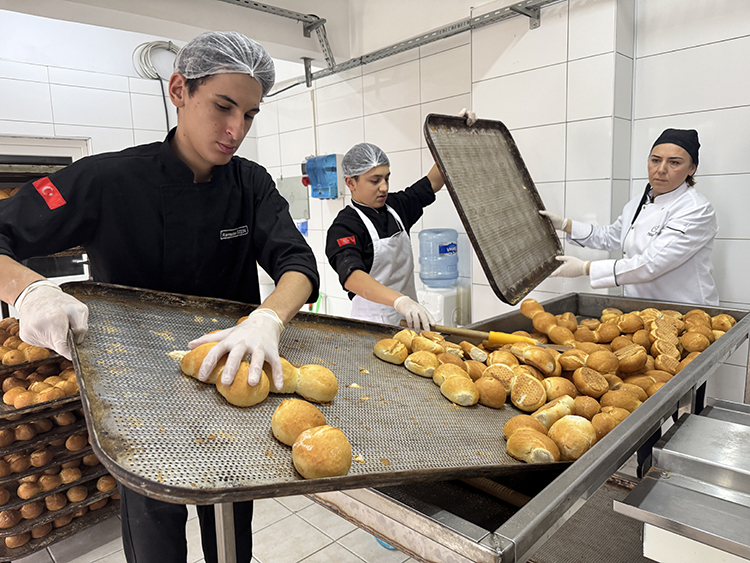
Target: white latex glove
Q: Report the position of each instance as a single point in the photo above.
(471, 117)
(558, 222)
(46, 313)
(257, 335)
(572, 267)
(417, 316)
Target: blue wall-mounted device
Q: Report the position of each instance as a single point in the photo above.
(326, 178)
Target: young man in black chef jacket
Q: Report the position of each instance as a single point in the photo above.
(186, 216)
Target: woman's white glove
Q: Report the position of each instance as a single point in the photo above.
(416, 315)
(471, 117)
(46, 313)
(572, 267)
(557, 221)
(257, 335)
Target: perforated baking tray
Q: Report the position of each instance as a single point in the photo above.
(175, 438)
(497, 202)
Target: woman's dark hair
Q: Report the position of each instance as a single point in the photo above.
(690, 181)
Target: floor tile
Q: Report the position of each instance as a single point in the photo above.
(116, 557)
(332, 525)
(192, 511)
(41, 556)
(288, 541)
(268, 511)
(333, 553)
(295, 503)
(91, 544)
(366, 546)
(193, 532)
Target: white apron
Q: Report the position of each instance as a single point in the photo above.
(393, 266)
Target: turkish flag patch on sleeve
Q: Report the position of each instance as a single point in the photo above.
(346, 240)
(52, 196)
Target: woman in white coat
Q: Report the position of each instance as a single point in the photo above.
(666, 234)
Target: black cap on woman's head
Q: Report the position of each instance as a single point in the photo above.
(685, 138)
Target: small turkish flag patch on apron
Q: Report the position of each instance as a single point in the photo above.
(52, 196)
(346, 240)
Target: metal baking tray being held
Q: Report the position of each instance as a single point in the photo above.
(174, 438)
(497, 202)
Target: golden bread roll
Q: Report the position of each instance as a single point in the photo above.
(80, 511)
(405, 337)
(69, 387)
(9, 518)
(553, 411)
(25, 399)
(191, 362)
(655, 387)
(40, 457)
(421, 343)
(522, 421)
(491, 392)
(18, 462)
(96, 505)
(24, 432)
(558, 386)
(723, 322)
(422, 363)
(573, 435)
(618, 413)
(11, 382)
(693, 341)
(7, 437)
(590, 382)
(642, 381)
(606, 332)
(31, 510)
(718, 334)
(612, 379)
(28, 490)
(432, 335)
(621, 341)
(502, 357)
(532, 447)
(628, 323)
(667, 363)
(572, 359)
(631, 358)
(292, 417)
(55, 501)
(530, 307)
(76, 442)
(38, 386)
(659, 375)
(603, 361)
(77, 493)
(527, 393)
(240, 393)
(290, 374)
(528, 370)
(4, 496)
(453, 348)
(106, 483)
(620, 398)
(448, 358)
(543, 321)
(41, 530)
(561, 335)
(445, 371)
(472, 352)
(642, 338)
(5, 469)
(391, 351)
(662, 334)
(583, 334)
(589, 347)
(610, 313)
(63, 520)
(67, 475)
(90, 460)
(18, 540)
(687, 359)
(49, 482)
(540, 359)
(42, 425)
(460, 390)
(586, 406)
(632, 388)
(567, 320)
(664, 347)
(64, 418)
(603, 424)
(475, 368)
(323, 451)
(317, 383)
(503, 373)
(72, 463)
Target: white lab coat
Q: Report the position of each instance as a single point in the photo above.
(666, 251)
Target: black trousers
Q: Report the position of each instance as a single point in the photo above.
(153, 531)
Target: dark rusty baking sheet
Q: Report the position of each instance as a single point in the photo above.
(497, 202)
(175, 438)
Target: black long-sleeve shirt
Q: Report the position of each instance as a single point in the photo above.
(348, 243)
(144, 223)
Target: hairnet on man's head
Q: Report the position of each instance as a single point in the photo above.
(361, 158)
(218, 52)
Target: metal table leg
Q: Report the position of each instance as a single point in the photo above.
(225, 549)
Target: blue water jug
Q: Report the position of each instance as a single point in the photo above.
(438, 257)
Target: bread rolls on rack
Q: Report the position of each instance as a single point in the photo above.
(491, 392)
(322, 451)
(290, 374)
(317, 383)
(523, 421)
(422, 363)
(240, 393)
(405, 337)
(532, 447)
(573, 435)
(391, 350)
(191, 362)
(292, 417)
(460, 391)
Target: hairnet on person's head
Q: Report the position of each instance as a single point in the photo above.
(218, 52)
(363, 157)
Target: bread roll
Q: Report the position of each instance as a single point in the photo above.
(634, 389)
(532, 447)
(543, 321)
(590, 382)
(502, 357)
(603, 361)
(642, 381)
(528, 370)
(527, 393)
(631, 358)
(191, 362)
(686, 360)
(472, 352)
(584, 334)
(620, 398)
(445, 371)
(80, 511)
(4, 496)
(589, 347)
(106, 483)
(612, 379)
(9, 518)
(664, 347)
(722, 322)
(572, 359)
(641, 337)
(90, 460)
(659, 375)
(421, 343)
(422, 363)
(290, 374)
(530, 307)
(391, 351)
(26, 399)
(694, 341)
(475, 368)
(606, 332)
(460, 390)
(19, 462)
(654, 388)
(76, 442)
(539, 358)
(610, 313)
(24, 432)
(405, 337)
(603, 424)
(317, 383)
(5, 469)
(629, 323)
(67, 475)
(64, 520)
(18, 540)
(567, 320)
(28, 490)
(40, 457)
(553, 411)
(11, 382)
(573, 435)
(561, 335)
(618, 413)
(41, 530)
(523, 421)
(586, 406)
(292, 417)
(42, 425)
(77, 493)
(240, 393)
(491, 392)
(32, 510)
(55, 501)
(666, 363)
(323, 451)
(49, 482)
(559, 386)
(64, 418)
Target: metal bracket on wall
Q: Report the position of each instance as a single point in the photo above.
(532, 13)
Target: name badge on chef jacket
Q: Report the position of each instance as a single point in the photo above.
(655, 230)
(234, 233)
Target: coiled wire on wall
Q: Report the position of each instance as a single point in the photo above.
(146, 69)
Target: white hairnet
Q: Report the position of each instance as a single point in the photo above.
(361, 158)
(217, 52)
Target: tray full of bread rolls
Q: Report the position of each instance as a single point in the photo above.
(160, 430)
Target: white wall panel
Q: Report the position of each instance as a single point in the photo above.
(732, 269)
(27, 128)
(103, 139)
(543, 151)
(148, 112)
(88, 79)
(86, 106)
(446, 74)
(267, 120)
(591, 83)
(296, 146)
(406, 169)
(340, 101)
(23, 71)
(21, 100)
(442, 214)
(396, 130)
(392, 88)
(730, 196)
(295, 112)
(589, 201)
(269, 152)
(589, 149)
(339, 137)
(592, 27)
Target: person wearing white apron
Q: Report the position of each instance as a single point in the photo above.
(666, 234)
(368, 244)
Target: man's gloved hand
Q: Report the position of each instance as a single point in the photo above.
(558, 222)
(471, 117)
(45, 314)
(572, 267)
(417, 316)
(257, 335)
